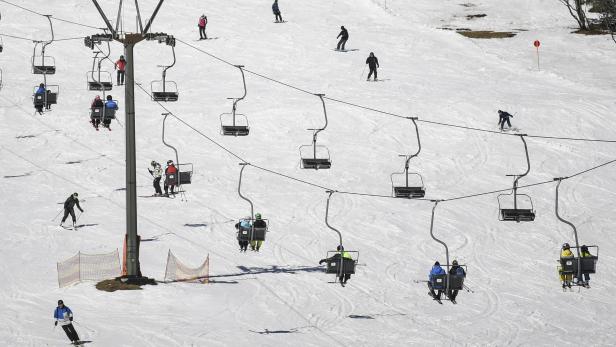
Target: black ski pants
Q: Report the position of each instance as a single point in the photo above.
(344, 278)
(278, 16)
(502, 122)
(372, 70)
(452, 294)
(437, 294)
(67, 212)
(120, 77)
(243, 245)
(341, 43)
(157, 185)
(202, 34)
(71, 333)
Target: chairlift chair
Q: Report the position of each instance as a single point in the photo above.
(42, 64)
(163, 90)
(44, 100)
(339, 265)
(577, 265)
(183, 176)
(401, 188)
(315, 156)
(235, 124)
(253, 233)
(97, 79)
(514, 212)
(102, 113)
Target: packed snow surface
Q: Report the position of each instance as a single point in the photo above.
(280, 296)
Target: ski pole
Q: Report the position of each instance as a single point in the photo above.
(77, 219)
(83, 326)
(54, 218)
(362, 73)
(468, 289)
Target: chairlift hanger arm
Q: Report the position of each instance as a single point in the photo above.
(575, 233)
(177, 160)
(239, 190)
(102, 13)
(331, 192)
(434, 237)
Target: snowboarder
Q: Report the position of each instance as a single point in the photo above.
(343, 278)
(504, 117)
(202, 24)
(373, 63)
(259, 223)
(40, 91)
(344, 36)
(456, 270)
(564, 255)
(120, 65)
(584, 253)
(96, 103)
(436, 271)
(170, 177)
(276, 11)
(64, 316)
(110, 104)
(243, 225)
(69, 208)
(157, 173)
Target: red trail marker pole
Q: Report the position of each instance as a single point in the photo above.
(537, 44)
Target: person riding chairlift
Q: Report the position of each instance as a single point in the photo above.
(170, 177)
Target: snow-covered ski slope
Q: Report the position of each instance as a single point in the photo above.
(280, 297)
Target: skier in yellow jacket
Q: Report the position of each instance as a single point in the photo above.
(566, 253)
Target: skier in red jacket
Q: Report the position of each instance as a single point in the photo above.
(171, 179)
(202, 24)
(120, 65)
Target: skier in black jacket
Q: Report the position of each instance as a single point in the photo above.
(504, 117)
(373, 63)
(344, 36)
(69, 206)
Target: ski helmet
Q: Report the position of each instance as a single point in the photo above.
(455, 262)
(437, 263)
(153, 163)
(566, 246)
(169, 162)
(60, 302)
(258, 216)
(121, 57)
(75, 194)
(340, 248)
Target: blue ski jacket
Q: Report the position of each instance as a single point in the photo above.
(111, 104)
(275, 8)
(436, 270)
(40, 90)
(63, 315)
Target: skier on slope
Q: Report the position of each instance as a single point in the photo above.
(110, 104)
(157, 173)
(261, 224)
(64, 316)
(436, 271)
(243, 225)
(373, 64)
(170, 177)
(344, 37)
(120, 65)
(96, 103)
(69, 208)
(276, 11)
(456, 270)
(201, 25)
(504, 117)
(565, 255)
(343, 278)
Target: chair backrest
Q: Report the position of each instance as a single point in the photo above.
(438, 281)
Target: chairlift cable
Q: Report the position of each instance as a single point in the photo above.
(390, 113)
(40, 14)
(358, 193)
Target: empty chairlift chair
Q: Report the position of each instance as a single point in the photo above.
(407, 184)
(513, 206)
(235, 124)
(164, 90)
(97, 79)
(42, 64)
(315, 156)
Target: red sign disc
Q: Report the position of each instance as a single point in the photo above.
(537, 43)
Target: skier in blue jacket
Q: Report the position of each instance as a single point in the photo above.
(436, 270)
(64, 315)
(110, 104)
